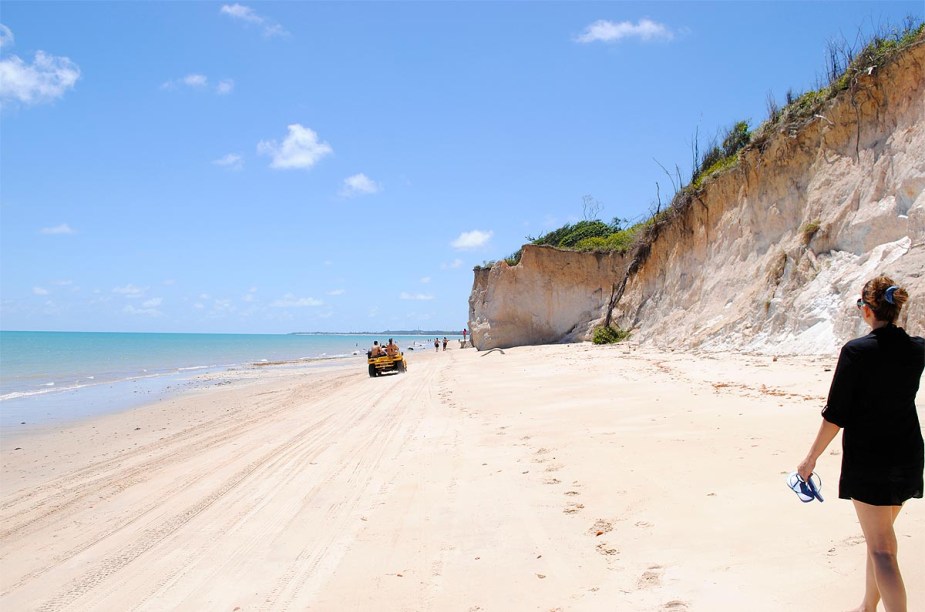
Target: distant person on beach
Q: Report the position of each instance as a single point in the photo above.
(872, 398)
(444, 343)
(464, 335)
(376, 351)
(391, 349)
(436, 345)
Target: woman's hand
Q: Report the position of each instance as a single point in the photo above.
(806, 467)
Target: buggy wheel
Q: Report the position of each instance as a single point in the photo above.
(372, 371)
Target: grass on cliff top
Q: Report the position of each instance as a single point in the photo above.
(844, 69)
(588, 235)
(845, 66)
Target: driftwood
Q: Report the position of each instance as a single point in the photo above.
(492, 351)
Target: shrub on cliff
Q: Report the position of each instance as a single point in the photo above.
(588, 235)
(617, 241)
(718, 158)
(570, 235)
(606, 334)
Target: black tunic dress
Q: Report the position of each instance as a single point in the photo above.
(873, 398)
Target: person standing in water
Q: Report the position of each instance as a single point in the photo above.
(872, 398)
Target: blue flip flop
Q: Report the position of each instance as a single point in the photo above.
(806, 490)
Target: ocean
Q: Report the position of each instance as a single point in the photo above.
(61, 376)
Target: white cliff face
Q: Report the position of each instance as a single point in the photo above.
(739, 269)
(550, 296)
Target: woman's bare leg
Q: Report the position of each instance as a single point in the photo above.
(871, 592)
(883, 578)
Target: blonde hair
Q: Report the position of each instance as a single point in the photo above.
(884, 298)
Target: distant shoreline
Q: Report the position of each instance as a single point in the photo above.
(393, 332)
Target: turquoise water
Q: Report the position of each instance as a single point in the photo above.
(46, 376)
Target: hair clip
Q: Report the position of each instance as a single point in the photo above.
(888, 294)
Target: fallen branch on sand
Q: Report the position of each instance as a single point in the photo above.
(492, 350)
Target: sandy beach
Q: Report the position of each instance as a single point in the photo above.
(567, 477)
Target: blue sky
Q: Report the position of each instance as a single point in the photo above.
(299, 166)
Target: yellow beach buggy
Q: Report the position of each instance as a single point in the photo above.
(385, 363)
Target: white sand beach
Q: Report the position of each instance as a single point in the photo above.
(567, 477)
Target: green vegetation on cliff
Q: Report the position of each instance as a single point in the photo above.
(845, 68)
(608, 334)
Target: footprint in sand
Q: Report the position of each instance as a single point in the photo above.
(555, 467)
(650, 578)
(675, 604)
(552, 481)
(573, 507)
(600, 527)
(606, 550)
(847, 542)
(853, 541)
(643, 524)
(571, 493)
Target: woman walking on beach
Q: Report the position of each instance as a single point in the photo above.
(872, 398)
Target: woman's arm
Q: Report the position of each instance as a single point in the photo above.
(827, 431)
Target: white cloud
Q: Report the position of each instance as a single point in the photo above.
(291, 301)
(239, 11)
(471, 240)
(456, 263)
(336, 292)
(6, 37)
(47, 78)
(300, 149)
(232, 161)
(130, 291)
(195, 80)
(249, 16)
(40, 291)
(148, 308)
(425, 279)
(200, 82)
(415, 296)
(611, 31)
(62, 229)
(221, 306)
(359, 184)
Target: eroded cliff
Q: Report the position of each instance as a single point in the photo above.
(550, 296)
(769, 257)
